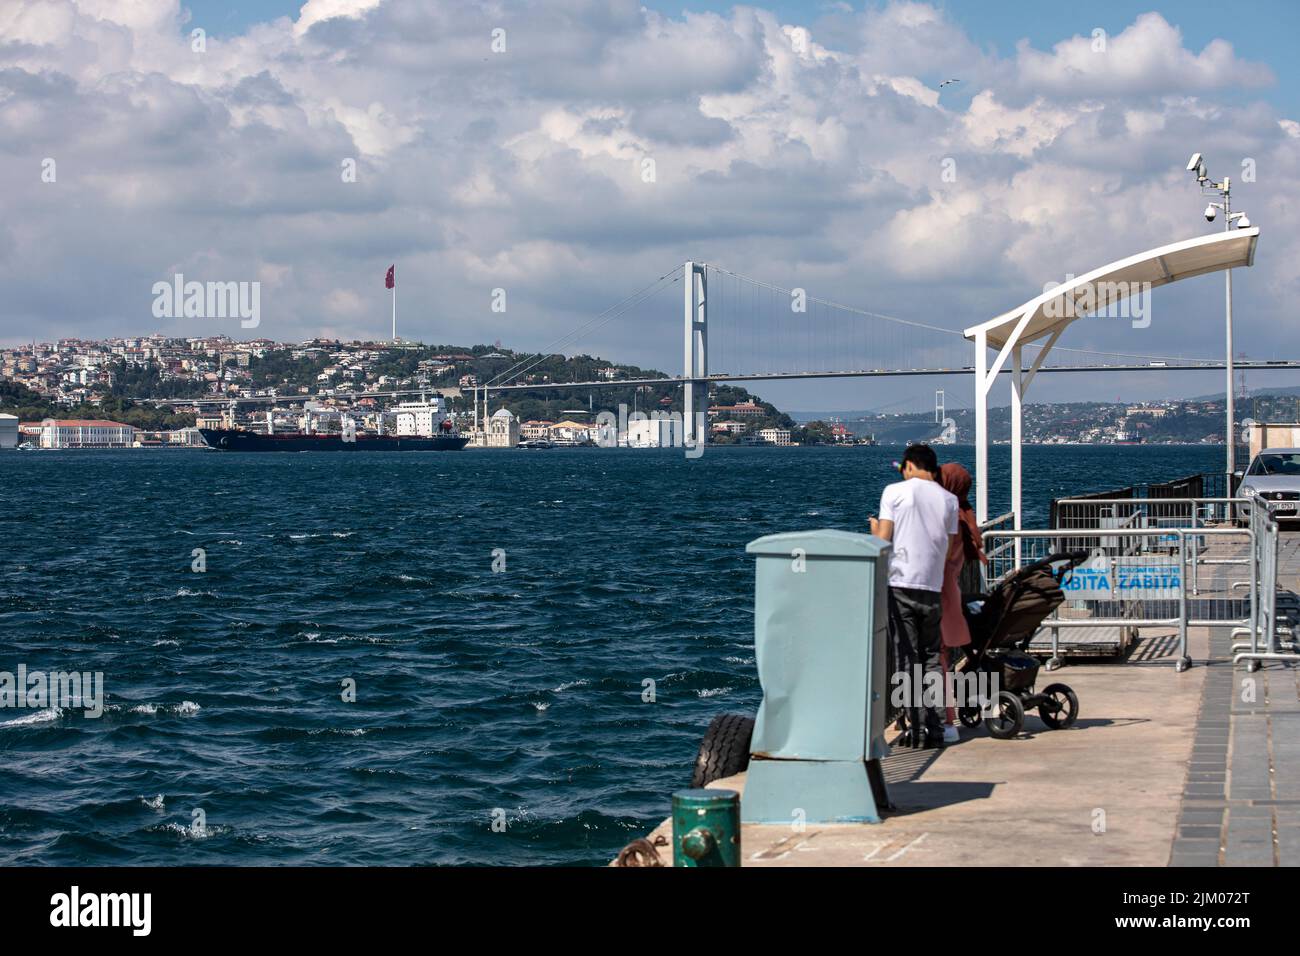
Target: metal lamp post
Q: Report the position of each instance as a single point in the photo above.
(1197, 166)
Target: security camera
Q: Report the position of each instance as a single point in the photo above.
(1243, 223)
(1193, 162)
(1210, 213)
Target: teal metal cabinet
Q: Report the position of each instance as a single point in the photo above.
(820, 644)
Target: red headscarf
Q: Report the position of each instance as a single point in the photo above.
(957, 481)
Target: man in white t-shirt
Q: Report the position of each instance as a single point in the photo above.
(919, 516)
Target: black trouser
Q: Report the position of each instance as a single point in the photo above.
(915, 614)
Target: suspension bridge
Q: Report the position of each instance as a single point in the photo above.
(741, 329)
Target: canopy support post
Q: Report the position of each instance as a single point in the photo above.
(981, 428)
(1017, 407)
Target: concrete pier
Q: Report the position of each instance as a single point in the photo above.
(1200, 768)
(1034, 801)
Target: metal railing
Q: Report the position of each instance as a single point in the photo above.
(1152, 561)
(1201, 486)
(1272, 638)
(1157, 560)
(1122, 515)
(1124, 590)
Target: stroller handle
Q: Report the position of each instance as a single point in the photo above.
(1070, 558)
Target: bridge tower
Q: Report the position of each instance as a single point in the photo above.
(695, 371)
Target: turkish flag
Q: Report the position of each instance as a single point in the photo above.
(389, 280)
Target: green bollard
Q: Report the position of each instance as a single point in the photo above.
(706, 828)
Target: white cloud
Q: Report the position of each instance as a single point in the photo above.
(991, 126)
(317, 11)
(1147, 57)
(820, 165)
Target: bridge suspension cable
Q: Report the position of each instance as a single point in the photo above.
(759, 330)
(523, 366)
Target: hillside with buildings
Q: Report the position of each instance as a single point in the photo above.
(158, 387)
(161, 386)
(1170, 421)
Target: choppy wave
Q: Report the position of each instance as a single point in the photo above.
(36, 717)
(474, 691)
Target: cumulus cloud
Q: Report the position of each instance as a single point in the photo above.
(1147, 57)
(572, 151)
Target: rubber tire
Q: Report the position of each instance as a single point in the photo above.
(969, 716)
(1008, 705)
(1050, 718)
(724, 751)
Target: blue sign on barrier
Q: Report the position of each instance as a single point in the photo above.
(1123, 579)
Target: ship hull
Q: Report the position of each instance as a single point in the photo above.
(235, 439)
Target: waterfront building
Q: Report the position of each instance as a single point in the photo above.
(85, 433)
(570, 432)
(503, 429)
(654, 433)
(8, 431)
(535, 428)
(187, 437)
(775, 436)
(731, 428)
(739, 410)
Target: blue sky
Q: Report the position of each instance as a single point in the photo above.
(1263, 30)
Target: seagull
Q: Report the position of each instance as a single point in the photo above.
(946, 82)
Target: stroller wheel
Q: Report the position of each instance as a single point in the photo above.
(1008, 716)
(969, 716)
(1061, 708)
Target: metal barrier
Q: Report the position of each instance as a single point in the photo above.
(1271, 638)
(1159, 561)
(974, 575)
(1124, 514)
(1205, 485)
(1156, 561)
(1118, 589)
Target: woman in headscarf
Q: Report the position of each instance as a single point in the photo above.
(967, 546)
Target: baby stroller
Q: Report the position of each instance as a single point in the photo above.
(1002, 624)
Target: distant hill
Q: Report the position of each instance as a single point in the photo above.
(1254, 393)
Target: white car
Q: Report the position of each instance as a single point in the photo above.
(1274, 476)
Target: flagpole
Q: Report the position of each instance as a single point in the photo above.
(394, 291)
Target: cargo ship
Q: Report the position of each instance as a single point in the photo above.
(239, 439)
(411, 426)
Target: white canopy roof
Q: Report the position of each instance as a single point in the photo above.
(1099, 288)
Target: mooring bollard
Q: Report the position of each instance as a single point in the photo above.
(706, 828)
